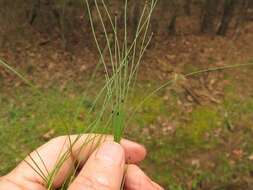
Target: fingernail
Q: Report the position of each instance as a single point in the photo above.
(110, 152)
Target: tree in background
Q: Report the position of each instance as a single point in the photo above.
(187, 7)
(63, 18)
(241, 17)
(166, 18)
(210, 12)
(173, 21)
(227, 16)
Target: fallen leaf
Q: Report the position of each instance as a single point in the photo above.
(48, 135)
(238, 153)
(251, 157)
(195, 162)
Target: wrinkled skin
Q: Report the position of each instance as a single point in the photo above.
(102, 167)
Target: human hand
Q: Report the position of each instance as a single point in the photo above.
(102, 167)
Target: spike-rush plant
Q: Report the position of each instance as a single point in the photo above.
(121, 67)
(124, 60)
(124, 57)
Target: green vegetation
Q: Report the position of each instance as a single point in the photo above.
(28, 121)
(112, 99)
(197, 127)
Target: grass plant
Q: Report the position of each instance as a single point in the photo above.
(120, 76)
(124, 59)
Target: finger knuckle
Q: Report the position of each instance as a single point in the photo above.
(95, 182)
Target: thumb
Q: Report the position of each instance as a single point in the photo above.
(103, 170)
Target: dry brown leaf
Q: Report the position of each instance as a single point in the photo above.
(251, 157)
(238, 153)
(48, 135)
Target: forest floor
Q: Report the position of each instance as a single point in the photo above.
(199, 132)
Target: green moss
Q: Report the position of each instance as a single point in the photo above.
(239, 110)
(149, 110)
(248, 106)
(203, 121)
(26, 118)
(230, 91)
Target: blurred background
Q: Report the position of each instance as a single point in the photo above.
(199, 132)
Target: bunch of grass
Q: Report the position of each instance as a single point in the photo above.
(124, 60)
(113, 99)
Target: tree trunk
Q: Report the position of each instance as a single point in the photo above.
(33, 14)
(227, 17)
(209, 14)
(173, 22)
(187, 7)
(241, 17)
(172, 25)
